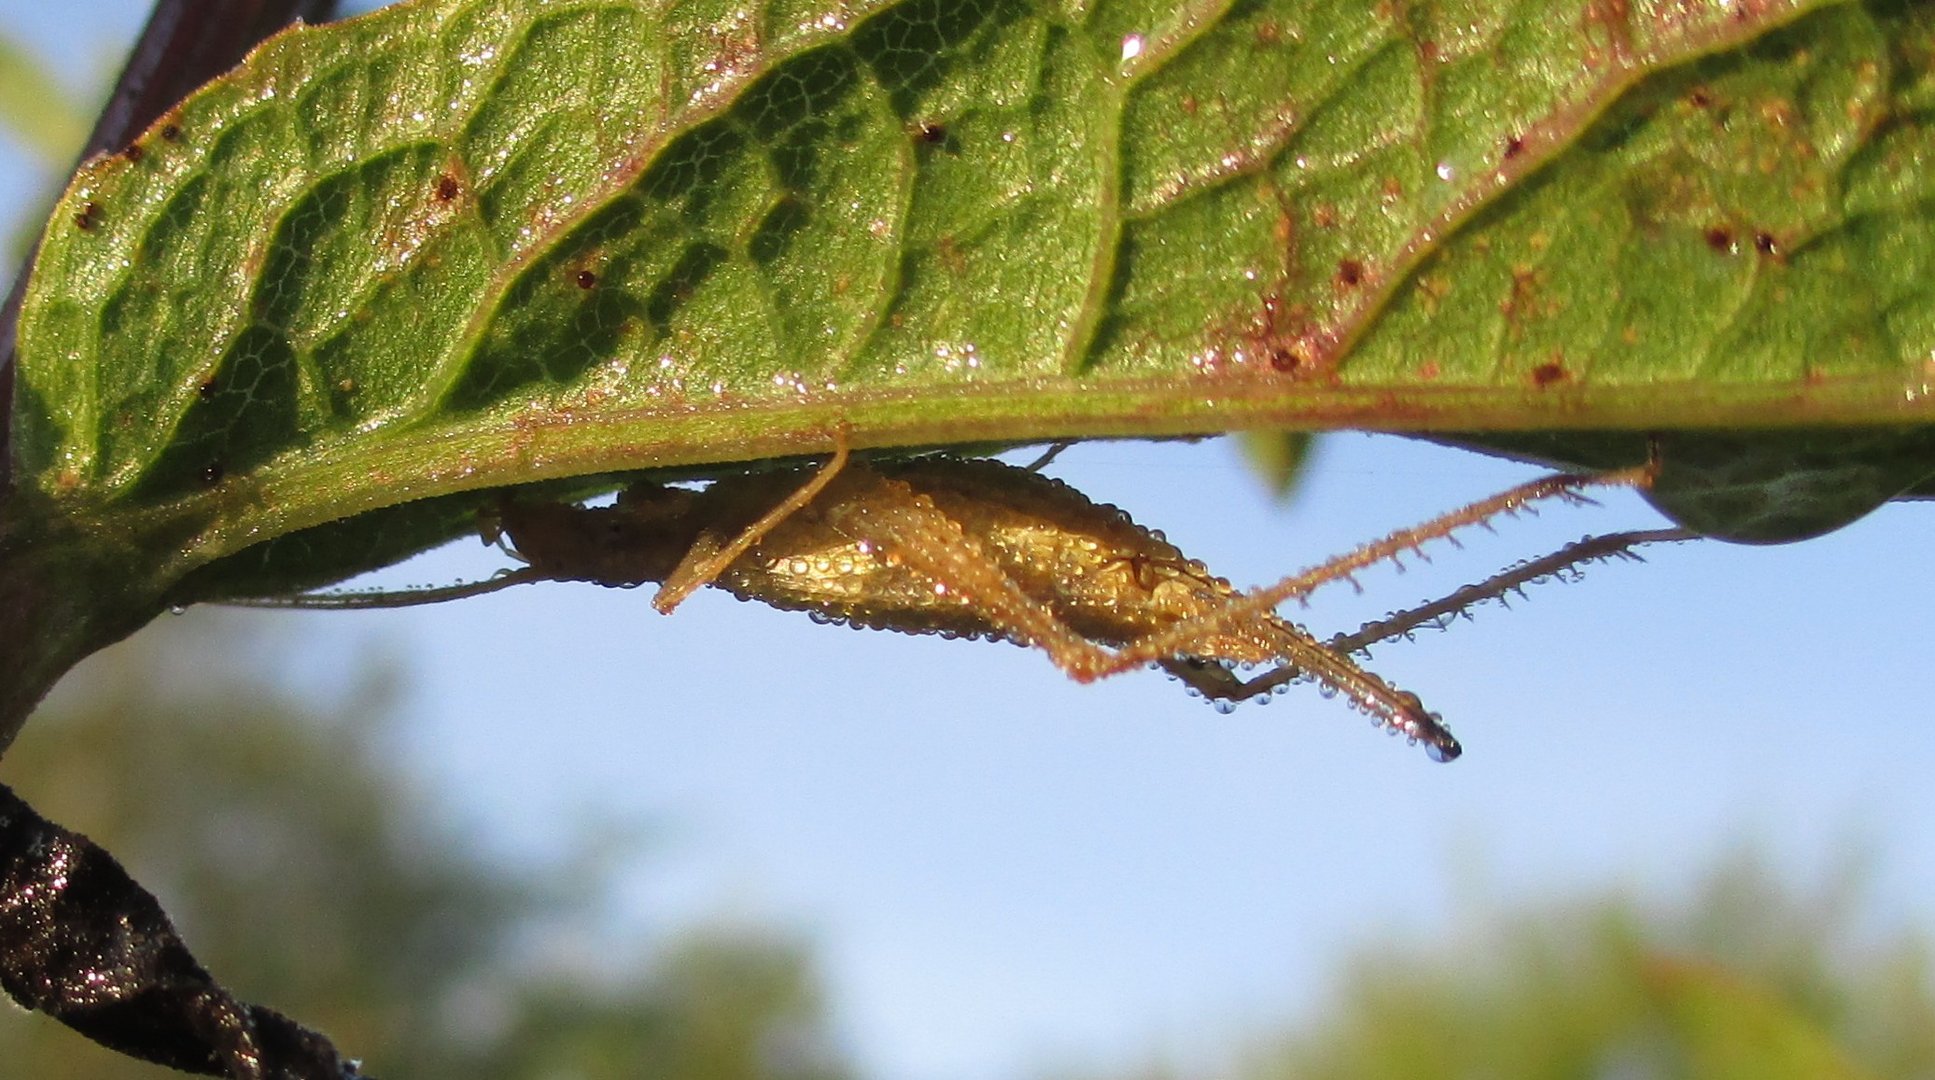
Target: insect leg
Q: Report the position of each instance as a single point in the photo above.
(1178, 638)
(1512, 579)
(909, 528)
(1434, 613)
(709, 558)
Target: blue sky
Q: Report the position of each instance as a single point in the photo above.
(1002, 870)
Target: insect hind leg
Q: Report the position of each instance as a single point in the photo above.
(709, 557)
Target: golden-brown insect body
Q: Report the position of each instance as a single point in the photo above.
(1106, 578)
(960, 547)
(977, 548)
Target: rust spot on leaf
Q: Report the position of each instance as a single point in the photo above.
(134, 153)
(88, 216)
(586, 279)
(1274, 336)
(1350, 273)
(1514, 146)
(171, 132)
(1552, 371)
(1282, 336)
(448, 188)
(1767, 244)
(1721, 239)
(1700, 97)
(1525, 289)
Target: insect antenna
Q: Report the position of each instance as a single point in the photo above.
(389, 598)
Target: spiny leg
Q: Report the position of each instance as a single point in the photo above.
(889, 514)
(709, 558)
(1400, 710)
(1435, 612)
(1178, 639)
(908, 527)
(1513, 579)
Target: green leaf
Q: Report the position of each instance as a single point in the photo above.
(1280, 459)
(458, 244)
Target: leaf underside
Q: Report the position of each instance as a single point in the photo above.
(456, 245)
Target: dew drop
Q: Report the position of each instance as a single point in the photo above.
(1224, 706)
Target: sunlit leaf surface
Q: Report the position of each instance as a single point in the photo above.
(459, 244)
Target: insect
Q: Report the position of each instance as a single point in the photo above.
(977, 548)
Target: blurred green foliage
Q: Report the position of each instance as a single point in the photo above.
(1749, 980)
(311, 875)
(35, 109)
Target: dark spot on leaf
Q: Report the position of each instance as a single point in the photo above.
(1288, 358)
(211, 473)
(1720, 239)
(931, 133)
(134, 152)
(1350, 273)
(1514, 146)
(1700, 98)
(1269, 32)
(1766, 244)
(206, 391)
(1548, 373)
(586, 279)
(447, 188)
(88, 216)
(171, 132)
